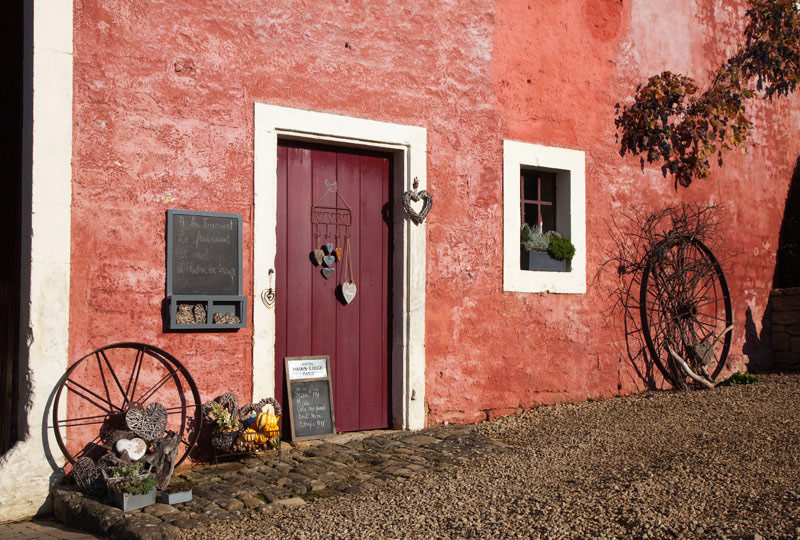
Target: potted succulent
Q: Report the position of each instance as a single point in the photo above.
(178, 492)
(547, 251)
(129, 488)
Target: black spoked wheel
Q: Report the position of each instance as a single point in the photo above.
(685, 304)
(97, 391)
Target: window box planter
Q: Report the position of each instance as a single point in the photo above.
(542, 261)
(128, 502)
(176, 497)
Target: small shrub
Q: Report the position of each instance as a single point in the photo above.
(129, 479)
(561, 249)
(743, 378)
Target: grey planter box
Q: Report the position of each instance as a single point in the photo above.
(128, 502)
(175, 498)
(541, 261)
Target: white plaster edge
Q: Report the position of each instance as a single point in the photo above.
(29, 467)
(515, 155)
(409, 144)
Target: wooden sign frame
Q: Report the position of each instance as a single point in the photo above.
(313, 365)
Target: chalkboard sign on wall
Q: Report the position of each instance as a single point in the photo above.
(310, 397)
(205, 253)
(204, 270)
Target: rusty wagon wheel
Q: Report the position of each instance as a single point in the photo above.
(105, 384)
(684, 302)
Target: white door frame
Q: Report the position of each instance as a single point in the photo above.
(408, 144)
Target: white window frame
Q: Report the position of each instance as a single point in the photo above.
(570, 169)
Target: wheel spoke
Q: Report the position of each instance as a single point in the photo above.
(156, 386)
(70, 421)
(134, 378)
(116, 380)
(96, 396)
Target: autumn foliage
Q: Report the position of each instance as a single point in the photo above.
(670, 122)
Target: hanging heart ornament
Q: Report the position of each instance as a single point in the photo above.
(318, 256)
(327, 273)
(348, 291)
(148, 423)
(416, 196)
(328, 260)
(329, 248)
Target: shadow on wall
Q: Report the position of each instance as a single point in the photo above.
(782, 317)
(787, 266)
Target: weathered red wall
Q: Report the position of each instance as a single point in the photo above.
(164, 94)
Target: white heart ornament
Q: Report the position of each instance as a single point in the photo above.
(348, 292)
(136, 447)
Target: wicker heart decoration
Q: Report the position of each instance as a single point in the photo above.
(89, 477)
(327, 273)
(149, 423)
(136, 448)
(427, 203)
(348, 291)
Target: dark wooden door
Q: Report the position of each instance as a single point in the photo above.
(310, 317)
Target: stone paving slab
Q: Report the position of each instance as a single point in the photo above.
(41, 529)
(264, 482)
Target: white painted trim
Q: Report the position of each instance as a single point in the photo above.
(26, 470)
(570, 169)
(409, 146)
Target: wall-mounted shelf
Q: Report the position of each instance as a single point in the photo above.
(204, 268)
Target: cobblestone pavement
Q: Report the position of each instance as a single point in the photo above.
(264, 483)
(41, 529)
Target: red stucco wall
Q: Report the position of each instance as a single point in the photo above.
(163, 118)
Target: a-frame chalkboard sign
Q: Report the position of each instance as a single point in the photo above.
(308, 384)
(204, 271)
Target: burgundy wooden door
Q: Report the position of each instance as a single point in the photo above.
(310, 319)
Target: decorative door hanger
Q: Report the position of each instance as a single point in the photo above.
(330, 226)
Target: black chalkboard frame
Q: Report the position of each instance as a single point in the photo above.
(212, 302)
(290, 399)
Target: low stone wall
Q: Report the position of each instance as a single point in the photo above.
(785, 327)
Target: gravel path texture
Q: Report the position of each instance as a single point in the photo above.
(723, 463)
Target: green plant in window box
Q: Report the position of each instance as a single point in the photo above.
(550, 242)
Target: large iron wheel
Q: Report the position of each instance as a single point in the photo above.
(684, 303)
(103, 385)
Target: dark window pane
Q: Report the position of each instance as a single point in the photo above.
(548, 187)
(532, 215)
(530, 189)
(548, 218)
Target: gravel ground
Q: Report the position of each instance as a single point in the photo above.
(707, 464)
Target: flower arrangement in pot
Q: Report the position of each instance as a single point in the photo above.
(129, 488)
(223, 414)
(547, 251)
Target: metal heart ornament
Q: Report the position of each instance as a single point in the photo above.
(329, 248)
(348, 291)
(328, 260)
(148, 423)
(327, 273)
(416, 196)
(89, 477)
(135, 447)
